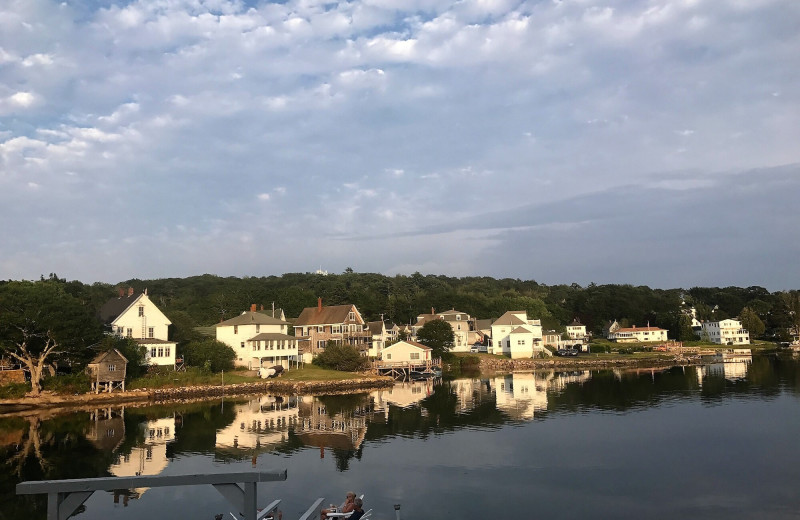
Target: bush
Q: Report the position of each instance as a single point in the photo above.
(68, 384)
(470, 361)
(209, 354)
(599, 349)
(341, 357)
(14, 390)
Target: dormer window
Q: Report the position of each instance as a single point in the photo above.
(458, 317)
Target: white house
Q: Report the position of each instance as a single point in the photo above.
(726, 332)
(514, 335)
(258, 339)
(463, 326)
(407, 352)
(576, 330)
(136, 316)
(638, 334)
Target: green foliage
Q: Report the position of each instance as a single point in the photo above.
(599, 349)
(752, 322)
(43, 324)
(14, 390)
(68, 384)
(212, 355)
(438, 335)
(469, 361)
(341, 357)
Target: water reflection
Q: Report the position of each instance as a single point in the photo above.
(124, 441)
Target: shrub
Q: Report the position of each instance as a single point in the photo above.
(341, 357)
(68, 384)
(14, 390)
(599, 349)
(210, 354)
(470, 361)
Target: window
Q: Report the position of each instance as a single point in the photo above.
(321, 344)
(242, 344)
(153, 351)
(258, 328)
(254, 345)
(141, 310)
(236, 329)
(112, 367)
(388, 356)
(458, 317)
(130, 333)
(167, 351)
(414, 355)
(351, 316)
(150, 332)
(160, 351)
(336, 329)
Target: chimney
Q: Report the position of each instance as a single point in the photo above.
(130, 291)
(252, 307)
(121, 292)
(319, 304)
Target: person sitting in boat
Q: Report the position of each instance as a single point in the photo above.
(358, 509)
(349, 505)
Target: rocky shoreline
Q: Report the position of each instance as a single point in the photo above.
(49, 401)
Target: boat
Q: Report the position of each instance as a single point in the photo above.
(735, 355)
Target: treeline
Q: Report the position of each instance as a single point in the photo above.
(207, 299)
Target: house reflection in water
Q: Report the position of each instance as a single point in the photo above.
(520, 395)
(148, 457)
(341, 430)
(730, 370)
(106, 428)
(470, 392)
(402, 394)
(261, 424)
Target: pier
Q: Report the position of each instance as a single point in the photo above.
(402, 370)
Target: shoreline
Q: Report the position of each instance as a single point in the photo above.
(143, 397)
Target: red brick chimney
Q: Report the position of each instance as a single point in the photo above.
(252, 307)
(121, 291)
(130, 291)
(319, 304)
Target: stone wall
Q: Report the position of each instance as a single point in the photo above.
(12, 376)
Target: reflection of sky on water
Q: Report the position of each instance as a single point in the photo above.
(605, 444)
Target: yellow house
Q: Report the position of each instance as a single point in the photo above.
(406, 352)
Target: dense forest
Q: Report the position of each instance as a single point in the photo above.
(207, 299)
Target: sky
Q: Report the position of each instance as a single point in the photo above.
(651, 142)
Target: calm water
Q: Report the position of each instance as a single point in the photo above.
(721, 441)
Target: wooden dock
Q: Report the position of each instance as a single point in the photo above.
(402, 370)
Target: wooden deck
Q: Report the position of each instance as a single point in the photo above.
(402, 369)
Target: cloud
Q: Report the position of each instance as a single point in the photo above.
(428, 121)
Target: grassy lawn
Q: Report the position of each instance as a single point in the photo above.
(192, 377)
(314, 373)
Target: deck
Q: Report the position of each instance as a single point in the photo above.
(402, 370)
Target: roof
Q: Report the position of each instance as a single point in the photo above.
(328, 315)
(154, 341)
(270, 336)
(521, 330)
(101, 356)
(375, 327)
(409, 342)
(251, 318)
(576, 323)
(424, 318)
(509, 319)
(116, 306)
(483, 324)
(637, 329)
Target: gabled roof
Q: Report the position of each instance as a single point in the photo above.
(409, 342)
(375, 327)
(509, 319)
(424, 318)
(329, 315)
(111, 310)
(101, 356)
(521, 330)
(154, 341)
(251, 318)
(576, 323)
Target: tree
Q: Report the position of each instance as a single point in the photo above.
(341, 357)
(752, 322)
(42, 325)
(438, 335)
(209, 353)
(135, 354)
